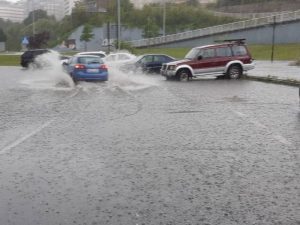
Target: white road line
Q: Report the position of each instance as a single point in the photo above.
(258, 124)
(22, 139)
(277, 137)
(282, 140)
(240, 114)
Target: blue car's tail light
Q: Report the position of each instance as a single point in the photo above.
(80, 66)
(103, 67)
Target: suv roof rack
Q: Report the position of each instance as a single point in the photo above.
(239, 41)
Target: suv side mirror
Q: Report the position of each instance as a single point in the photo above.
(200, 57)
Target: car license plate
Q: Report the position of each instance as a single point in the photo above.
(92, 70)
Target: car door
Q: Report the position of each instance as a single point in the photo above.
(156, 65)
(223, 57)
(206, 62)
(145, 63)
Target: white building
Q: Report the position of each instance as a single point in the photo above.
(68, 6)
(12, 11)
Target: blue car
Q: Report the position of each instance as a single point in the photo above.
(149, 63)
(86, 67)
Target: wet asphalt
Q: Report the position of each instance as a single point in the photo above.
(141, 150)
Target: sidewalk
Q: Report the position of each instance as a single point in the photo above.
(278, 72)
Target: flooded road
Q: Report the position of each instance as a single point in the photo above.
(140, 150)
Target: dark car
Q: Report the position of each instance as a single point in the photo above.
(29, 56)
(228, 59)
(150, 63)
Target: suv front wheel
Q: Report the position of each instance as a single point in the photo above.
(183, 75)
(234, 72)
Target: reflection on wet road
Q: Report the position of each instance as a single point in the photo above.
(140, 150)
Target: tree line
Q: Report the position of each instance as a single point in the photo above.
(179, 17)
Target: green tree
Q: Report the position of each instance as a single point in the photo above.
(35, 15)
(39, 40)
(87, 35)
(2, 35)
(150, 29)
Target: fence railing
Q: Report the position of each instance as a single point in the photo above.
(241, 25)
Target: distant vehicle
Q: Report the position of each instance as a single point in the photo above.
(64, 58)
(228, 59)
(119, 58)
(29, 56)
(101, 54)
(106, 43)
(86, 67)
(149, 63)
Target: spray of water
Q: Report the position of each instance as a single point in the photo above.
(47, 73)
(129, 80)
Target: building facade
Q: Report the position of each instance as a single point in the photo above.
(68, 6)
(12, 11)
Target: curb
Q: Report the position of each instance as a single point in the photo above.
(274, 79)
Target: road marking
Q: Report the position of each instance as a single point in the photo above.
(240, 114)
(22, 139)
(39, 129)
(256, 123)
(282, 140)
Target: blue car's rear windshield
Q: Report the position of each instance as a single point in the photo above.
(89, 60)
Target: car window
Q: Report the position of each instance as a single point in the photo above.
(193, 53)
(147, 59)
(87, 60)
(159, 58)
(208, 53)
(223, 52)
(94, 53)
(239, 50)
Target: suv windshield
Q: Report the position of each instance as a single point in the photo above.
(192, 54)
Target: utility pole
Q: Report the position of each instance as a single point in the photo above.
(119, 24)
(33, 26)
(108, 36)
(273, 38)
(164, 18)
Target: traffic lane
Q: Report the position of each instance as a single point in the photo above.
(154, 155)
(273, 107)
(279, 69)
(28, 98)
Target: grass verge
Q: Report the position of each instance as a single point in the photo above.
(9, 60)
(290, 52)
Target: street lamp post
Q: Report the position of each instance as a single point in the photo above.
(119, 23)
(33, 26)
(164, 18)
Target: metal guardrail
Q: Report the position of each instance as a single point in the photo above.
(249, 15)
(241, 25)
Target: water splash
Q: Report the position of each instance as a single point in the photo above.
(47, 73)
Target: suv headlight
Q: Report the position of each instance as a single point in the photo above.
(172, 67)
